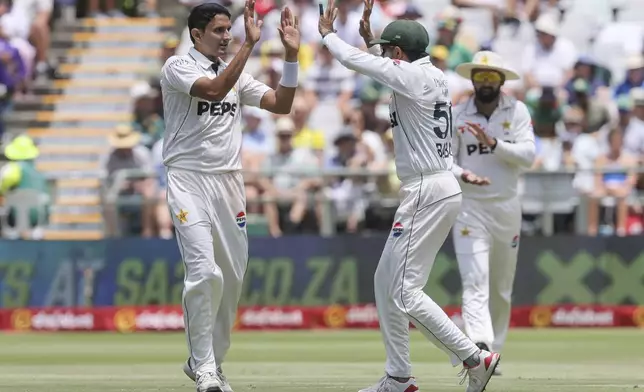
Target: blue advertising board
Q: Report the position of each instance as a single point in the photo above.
(306, 271)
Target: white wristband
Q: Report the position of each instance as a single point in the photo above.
(289, 74)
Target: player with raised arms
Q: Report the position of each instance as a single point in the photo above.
(421, 119)
(202, 96)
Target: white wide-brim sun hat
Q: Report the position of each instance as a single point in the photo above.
(486, 60)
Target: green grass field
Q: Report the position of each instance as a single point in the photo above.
(535, 360)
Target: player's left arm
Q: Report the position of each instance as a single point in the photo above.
(278, 101)
(522, 152)
(255, 93)
(400, 76)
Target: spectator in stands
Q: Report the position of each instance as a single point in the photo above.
(257, 139)
(162, 212)
(494, 9)
(634, 75)
(348, 191)
(585, 69)
(12, 77)
(257, 145)
(307, 12)
(374, 110)
(110, 9)
(147, 120)
(634, 133)
(411, 12)
(550, 60)
(271, 59)
(448, 26)
(531, 9)
(624, 106)
(329, 87)
(304, 136)
(15, 31)
(597, 113)
(586, 148)
(370, 139)
(287, 186)
(545, 111)
(617, 184)
(388, 185)
(21, 173)
(128, 154)
(459, 87)
(346, 22)
(38, 13)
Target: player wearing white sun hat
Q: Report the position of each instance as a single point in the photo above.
(494, 139)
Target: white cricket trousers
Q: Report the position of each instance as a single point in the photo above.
(209, 215)
(428, 209)
(486, 240)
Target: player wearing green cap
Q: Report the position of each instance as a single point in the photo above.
(421, 119)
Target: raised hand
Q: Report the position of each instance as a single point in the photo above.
(325, 25)
(289, 30)
(253, 27)
(479, 134)
(365, 22)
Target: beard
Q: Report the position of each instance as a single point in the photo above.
(487, 94)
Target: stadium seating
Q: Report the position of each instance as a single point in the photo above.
(74, 115)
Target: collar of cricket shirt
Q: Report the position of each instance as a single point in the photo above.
(505, 103)
(422, 60)
(202, 60)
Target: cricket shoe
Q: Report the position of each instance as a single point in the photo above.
(208, 382)
(480, 374)
(484, 347)
(225, 386)
(388, 384)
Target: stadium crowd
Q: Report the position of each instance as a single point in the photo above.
(336, 143)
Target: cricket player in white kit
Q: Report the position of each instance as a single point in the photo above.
(420, 112)
(202, 145)
(494, 142)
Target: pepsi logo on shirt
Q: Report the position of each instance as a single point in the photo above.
(397, 230)
(481, 148)
(241, 220)
(216, 108)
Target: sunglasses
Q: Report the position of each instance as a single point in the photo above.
(486, 76)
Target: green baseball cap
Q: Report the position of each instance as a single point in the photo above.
(407, 34)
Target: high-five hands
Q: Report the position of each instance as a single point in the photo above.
(253, 28)
(365, 22)
(327, 17)
(289, 30)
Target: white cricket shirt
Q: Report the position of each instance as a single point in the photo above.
(511, 125)
(200, 135)
(420, 109)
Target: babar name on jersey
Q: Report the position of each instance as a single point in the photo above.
(442, 116)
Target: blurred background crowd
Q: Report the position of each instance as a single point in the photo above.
(328, 165)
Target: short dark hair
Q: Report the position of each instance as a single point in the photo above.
(203, 14)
